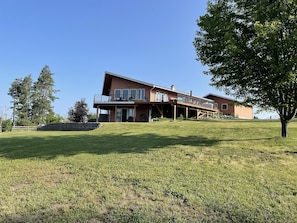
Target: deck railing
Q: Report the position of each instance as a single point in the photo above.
(103, 98)
(197, 101)
(180, 98)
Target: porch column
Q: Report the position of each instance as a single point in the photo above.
(197, 113)
(97, 113)
(134, 113)
(187, 112)
(115, 113)
(174, 112)
(150, 114)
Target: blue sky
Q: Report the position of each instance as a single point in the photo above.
(79, 40)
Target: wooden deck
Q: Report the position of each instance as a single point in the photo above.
(187, 109)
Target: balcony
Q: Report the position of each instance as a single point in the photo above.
(181, 98)
(124, 98)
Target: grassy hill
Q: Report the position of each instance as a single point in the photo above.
(183, 171)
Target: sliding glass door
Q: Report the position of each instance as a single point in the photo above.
(125, 114)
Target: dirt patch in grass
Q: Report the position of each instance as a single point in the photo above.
(20, 186)
(62, 208)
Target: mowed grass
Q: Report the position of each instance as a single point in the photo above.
(182, 171)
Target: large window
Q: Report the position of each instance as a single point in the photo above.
(141, 94)
(129, 94)
(133, 94)
(117, 94)
(161, 97)
(125, 94)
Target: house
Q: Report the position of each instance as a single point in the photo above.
(229, 107)
(125, 99)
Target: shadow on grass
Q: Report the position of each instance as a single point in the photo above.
(49, 147)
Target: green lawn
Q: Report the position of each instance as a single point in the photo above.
(183, 171)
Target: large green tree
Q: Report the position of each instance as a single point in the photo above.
(15, 92)
(43, 96)
(250, 48)
(20, 91)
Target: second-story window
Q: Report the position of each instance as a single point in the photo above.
(125, 94)
(141, 95)
(133, 93)
(161, 97)
(117, 94)
(129, 94)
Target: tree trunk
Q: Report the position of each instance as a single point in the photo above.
(284, 128)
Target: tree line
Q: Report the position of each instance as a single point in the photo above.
(32, 100)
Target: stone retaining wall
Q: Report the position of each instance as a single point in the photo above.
(69, 127)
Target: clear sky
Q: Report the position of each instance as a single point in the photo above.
(148, 40)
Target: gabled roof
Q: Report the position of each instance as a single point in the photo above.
(226, 98)
(108, 78)
(110, 75)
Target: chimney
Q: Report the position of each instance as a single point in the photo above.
(172, 87)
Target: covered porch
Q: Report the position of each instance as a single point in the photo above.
(145, 111)
(176, 109)
(123, 111)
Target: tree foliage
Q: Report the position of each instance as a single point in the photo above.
(250, 48)
(80, 112)
(21, 91)
(54, 118)
(32, 101)
(6, 125)
(43, 96)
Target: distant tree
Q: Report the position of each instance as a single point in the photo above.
(54, 118)
(43, 96)
(6, 125)
(15, 92)
(250, 48)
(80, 112)
(20, 91)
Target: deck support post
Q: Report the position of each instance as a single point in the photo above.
(97, 113)
(115, 113)
(134, 113)
(174, 112)
(150, 114)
